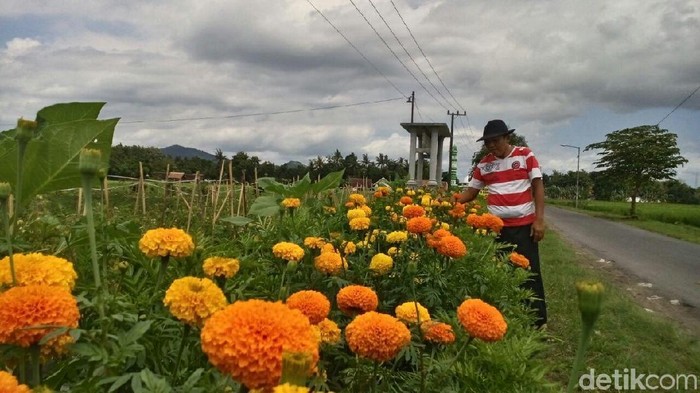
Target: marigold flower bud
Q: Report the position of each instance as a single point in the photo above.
(25, 130)
(590, 298)
(90, 161)
(296, 367)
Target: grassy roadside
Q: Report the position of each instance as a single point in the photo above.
(650, 222)
(626, 335)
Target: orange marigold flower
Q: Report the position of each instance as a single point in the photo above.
(23, 308)
(192, 300)
(452, 246)
(314, 242)
(359, 223)
(247, 339)
(163, 242)
(330, 332)
(9, 384)
(357, 199)
(407, 312)
(350, 205)
(376, 336)
(437, 332)
(38, 269)
(291, 203)
(330, 262)
(349, 248)
(313, 304)
(221, 267)
(481, 320)
(367, 210)
(492, 222)
(406, 200)
(288, 251)
(458, 210)
(355, 213)
(411, 211)
(356, 299)
(419, 225)
(519, 260)
(381, 263)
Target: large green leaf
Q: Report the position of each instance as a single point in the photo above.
(300, 188)
(330, 181)
(51, 159)
(269, 184)
(265, 206)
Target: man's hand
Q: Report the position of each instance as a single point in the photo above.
(537, 230)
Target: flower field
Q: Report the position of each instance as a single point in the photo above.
(317, 288)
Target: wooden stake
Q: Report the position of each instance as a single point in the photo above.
(191, 205)
(142, 189)
(106, 193)
(255, 182)
(80, 200)
(230, 185)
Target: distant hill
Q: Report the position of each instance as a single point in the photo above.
(293, 165)
(186, 152)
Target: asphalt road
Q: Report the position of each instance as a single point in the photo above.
(671, 265)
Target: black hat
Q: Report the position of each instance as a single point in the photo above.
(495, 128)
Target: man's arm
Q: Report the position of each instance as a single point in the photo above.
(537, 229)
(468, 195)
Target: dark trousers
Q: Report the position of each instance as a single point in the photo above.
(520, 237)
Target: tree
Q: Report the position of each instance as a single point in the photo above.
(636, 157)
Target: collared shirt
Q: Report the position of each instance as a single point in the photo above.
(509, 183)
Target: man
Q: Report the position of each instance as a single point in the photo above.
(516, 195)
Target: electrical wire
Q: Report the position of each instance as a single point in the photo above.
(679, 105)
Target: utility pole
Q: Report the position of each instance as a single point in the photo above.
(412, 100)
(578, 166)
(452, 137)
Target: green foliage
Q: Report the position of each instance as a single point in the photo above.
(51, 158)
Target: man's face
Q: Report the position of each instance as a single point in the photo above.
(498, 146)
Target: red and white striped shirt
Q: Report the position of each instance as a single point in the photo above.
(509, 185)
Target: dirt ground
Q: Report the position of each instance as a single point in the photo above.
(646, 295)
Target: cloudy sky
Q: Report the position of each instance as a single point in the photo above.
(275, 79)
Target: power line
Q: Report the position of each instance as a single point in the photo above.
(426, 57)
(394, 53)
(679, 105)
(407, 53)
(261, 113)
(356, 49)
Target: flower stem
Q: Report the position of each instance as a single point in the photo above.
(185, 333)
(580, 354)
(8, 237)
(459, 353)
(161, 272)
(35, 351)
(87, 191)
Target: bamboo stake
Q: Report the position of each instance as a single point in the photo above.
(106, 193)
(223, 205)
(191, 204)
(230, 184)
(255, 181)
(215, 201)
(80, 200)
(240, 199)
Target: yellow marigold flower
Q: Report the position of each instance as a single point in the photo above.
(329, 209)
(313, 304)
(519, 260)
(392, 251)
(437, 332)
(381, 263)
(410, 211)
(357, 199)
(349, 248)
(162, 242)
(288, 251)
(289, 388)
(330, 263)
(359, 223)
(426, 200)
(246, 340)
(397, 237)
(23, 308)
(221, 267)
(192, 300)
(38, 269)
(473, 211)
(356, 299)
(399, 190)
(330, 332)
(452, 246)
(419, 225)
(356, 213)
(376, 336)
(481, 320)
(445, 226)
(291, 203)
(314, 242)
(407, 312)
(411, 192)
(9, 384)
(367, 210)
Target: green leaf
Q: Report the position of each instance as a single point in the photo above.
(330, 181)
(265, 206)
(137, 331)
(301, 187)
(51, 159)
(57, 332)
(155, 384)
(269, 184)
(189, 385)
(237, 220)
(119, 382)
